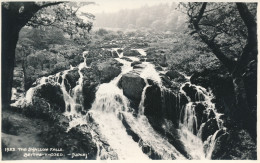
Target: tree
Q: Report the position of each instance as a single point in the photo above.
(229, 30)
(15, 15)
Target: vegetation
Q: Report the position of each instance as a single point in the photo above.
(229, 31)
(19, 14)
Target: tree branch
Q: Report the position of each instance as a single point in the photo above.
(250, 50)
(211, 44)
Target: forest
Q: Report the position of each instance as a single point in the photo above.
(158, 82)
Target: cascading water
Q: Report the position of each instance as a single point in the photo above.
(190, 129)
(111, 112)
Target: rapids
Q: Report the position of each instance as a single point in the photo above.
(111, 113)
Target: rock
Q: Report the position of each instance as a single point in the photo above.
(127, 59)
(236, 144)
(152, 102)
(63, 122)
(129, 131)
(107, 71)
(135, 63)
(132, 86)
(170, 106)
(175, 75)
(163, 61)
(138, 66)
(119, 51)
(114, 54)
(211, 114)
(199, 112)
(190, 91)
(159, 68)
(77, 140)
(89, 61)
(150, 59)
(142, 60)
(52, 94)
(210, 128)
(39, 108)
(89, 93)
(131, 52)
(76, 60)
(72, 77)
(166, 81)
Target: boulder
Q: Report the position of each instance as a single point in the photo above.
(190, 91)
(150, 59)
(114, 54)
(72, 77)
(236, 144)
(175, 75)
(132, 86)
(135, 63)
(199, 112)
(152, 102)
(211, 126)
(119, 51)
(159, 68)
(52, 94)
(89, 93)
(131, 52)
(107, 71)
(127, 59)
(76, 60)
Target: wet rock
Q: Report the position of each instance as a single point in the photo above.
(236, 144)
(190, 91)
(170, 108)
(135, 63)
(150, 59)
(132, 86)
(152, 102)
(131, 52)
(183, 100)
(72, 77)
(159, 68)
(107, 71)
(199, 112)
(119, 51)
(114, 54)
(211, 114)
(52, 94)
(163, 61)
(89, 93)
(142, 59)
(129, 131)
(127, 59)
(138, 66)
(76, 60)
(175, 75)
(210, 128)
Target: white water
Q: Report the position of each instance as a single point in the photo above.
(189, 125)
(110, 105)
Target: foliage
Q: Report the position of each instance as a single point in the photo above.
(65, 17)
(221, 27)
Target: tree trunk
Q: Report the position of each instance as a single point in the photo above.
(243, 112)
(10, 34)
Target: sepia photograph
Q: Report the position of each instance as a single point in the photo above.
(128, 80)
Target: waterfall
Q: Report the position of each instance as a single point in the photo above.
(114, 126)
(190, 129)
